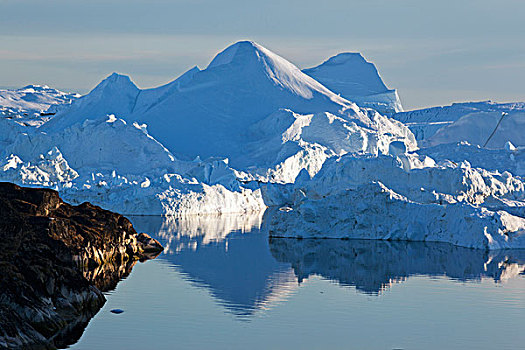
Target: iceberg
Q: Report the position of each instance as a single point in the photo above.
(470, 121)
(203, 143)
(377, 198)
(352, 77)
(207, 112)
(33, 105)
(316, 146)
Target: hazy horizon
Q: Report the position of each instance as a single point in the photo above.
(432, 53)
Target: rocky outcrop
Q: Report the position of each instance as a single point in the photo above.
(55, 261)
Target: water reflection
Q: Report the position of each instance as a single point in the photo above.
(228, 255)
(371, 266)
(232, 257)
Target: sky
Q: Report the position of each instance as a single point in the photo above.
(432, 52)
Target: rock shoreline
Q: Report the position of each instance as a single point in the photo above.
(55, 261)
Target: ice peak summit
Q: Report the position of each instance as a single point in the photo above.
(116, 94)
(345, 58)
(352, 68)
(250, 54)
(116, 80)
(358, 80)
(241, 50)
(250, 58)
(207, 112)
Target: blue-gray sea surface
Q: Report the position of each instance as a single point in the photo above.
(222, 284)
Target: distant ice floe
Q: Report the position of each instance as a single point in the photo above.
(33, 105)
(487, 124)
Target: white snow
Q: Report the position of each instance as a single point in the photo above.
(486, 129)
(205, 112)
(252, 130)
(122, 168)
(494, 160)
(357, 80)
(451, 125)
(375, 198)
(33, 105)
(48, 170)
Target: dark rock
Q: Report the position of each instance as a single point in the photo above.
(55, 261)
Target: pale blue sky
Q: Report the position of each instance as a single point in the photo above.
(433, 52)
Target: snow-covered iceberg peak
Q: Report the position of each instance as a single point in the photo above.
(115, 82)
(218, 112)
(120, 88)
(116, 94)
(354, 78)
(206, 112)
(235, 53)
(282, 72)
(361, 76)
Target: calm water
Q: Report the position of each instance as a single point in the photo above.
(221, 284)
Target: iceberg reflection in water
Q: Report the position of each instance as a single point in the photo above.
(226, 254)
(232, 257)
(223, 284)
(371, 266)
